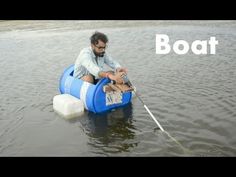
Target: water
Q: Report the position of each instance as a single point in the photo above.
(193, 97)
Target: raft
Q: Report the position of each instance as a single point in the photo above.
(92, 95)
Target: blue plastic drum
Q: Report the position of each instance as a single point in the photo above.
(93, 96)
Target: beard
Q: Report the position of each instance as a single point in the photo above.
(99, 54)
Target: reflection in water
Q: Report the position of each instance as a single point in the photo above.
(111, 131)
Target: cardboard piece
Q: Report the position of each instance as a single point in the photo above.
(117, 87)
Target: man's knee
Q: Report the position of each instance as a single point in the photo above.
(88, 78)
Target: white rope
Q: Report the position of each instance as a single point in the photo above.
(159, 125)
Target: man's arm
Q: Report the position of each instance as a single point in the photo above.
(111, 62)
(97, 72)
(114, 64)
(116, 77)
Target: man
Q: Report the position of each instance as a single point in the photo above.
(89, 65)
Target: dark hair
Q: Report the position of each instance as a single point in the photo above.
(98, 36)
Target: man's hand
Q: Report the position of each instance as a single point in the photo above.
(122, 70)
(117, 77)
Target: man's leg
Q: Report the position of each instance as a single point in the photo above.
(88, 78)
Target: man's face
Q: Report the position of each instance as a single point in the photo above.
(99, 48)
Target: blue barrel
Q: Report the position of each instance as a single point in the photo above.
(92, 95)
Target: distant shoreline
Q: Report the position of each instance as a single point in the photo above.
(11, 25)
